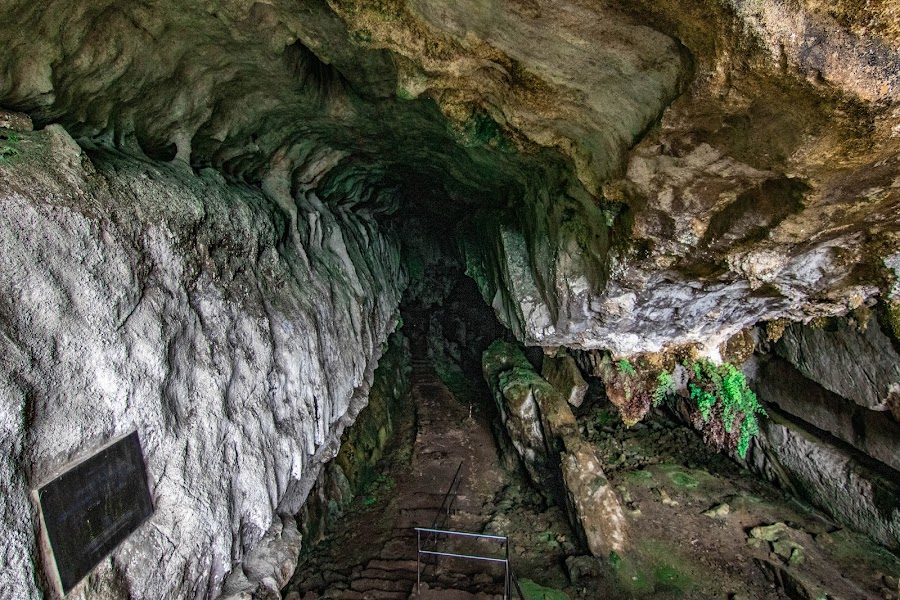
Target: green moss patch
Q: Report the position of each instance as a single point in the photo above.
(682, 479)
(669, 578)
(534, 591)
(656, 567)
(893, 314)
(640, 477)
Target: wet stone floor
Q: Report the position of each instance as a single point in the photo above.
(700, 526)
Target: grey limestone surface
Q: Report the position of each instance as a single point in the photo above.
(237, 342)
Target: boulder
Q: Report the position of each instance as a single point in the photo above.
(593, 499)
(545, 432)
(563, 374)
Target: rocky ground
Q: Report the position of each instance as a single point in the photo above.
(705, 528)
(701, 527)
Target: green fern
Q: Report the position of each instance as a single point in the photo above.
(664, 384)
(704, 400)
(722, 392)
(9, 150)
(626, 369)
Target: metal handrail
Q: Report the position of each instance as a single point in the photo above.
(451, 495)
(515, 581)
(509, 581)
(453, 555)
(464, 533)
(435, 532)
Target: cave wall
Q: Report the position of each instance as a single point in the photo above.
(355, 468)
(137, 295)
(832, 436)
(638, 177)
(663, 174)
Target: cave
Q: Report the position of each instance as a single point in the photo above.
(644, 256)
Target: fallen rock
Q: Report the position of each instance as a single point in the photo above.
(720, 511)
(563, 374)
(768, 533)
(593, 498)
(580, 568)
(15, 121)
(545, 433)
(513, 381)
(791, 582)
(788, 550)
(664, 496)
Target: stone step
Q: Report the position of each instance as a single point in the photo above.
(390, 574)
(365, 584)
(382, 595)
(354, 595)
(441, 592)
(403, 566)
(419, 514)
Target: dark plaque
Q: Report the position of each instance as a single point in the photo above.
(93, 506)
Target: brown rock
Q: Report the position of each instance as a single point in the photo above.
(15, 121)
(593, 499)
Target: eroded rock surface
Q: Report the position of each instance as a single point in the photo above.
(855, 361)
(563, 374)
(647, 174)
(141, 296)
(830, 477)
(874, 433)
(621, 177)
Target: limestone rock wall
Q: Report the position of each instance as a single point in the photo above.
(852, 359)
(237, 337)
(874, 433)
(648, 173)
(832, 436)
(362, 445)
(768, 189)
(830, 477)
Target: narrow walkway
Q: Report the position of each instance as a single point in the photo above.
(372, 553)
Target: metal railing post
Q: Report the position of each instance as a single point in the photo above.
(506, 580)
(418, 563)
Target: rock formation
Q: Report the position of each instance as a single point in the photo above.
(143, 296)
(201, 238)
(558, 460)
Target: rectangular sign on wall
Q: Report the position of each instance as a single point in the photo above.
(89, 509)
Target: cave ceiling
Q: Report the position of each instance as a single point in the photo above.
(630, 176)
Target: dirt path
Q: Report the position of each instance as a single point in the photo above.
(371, 554)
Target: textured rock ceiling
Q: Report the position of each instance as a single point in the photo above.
(634, 175)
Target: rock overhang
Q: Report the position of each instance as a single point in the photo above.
(641, 162)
